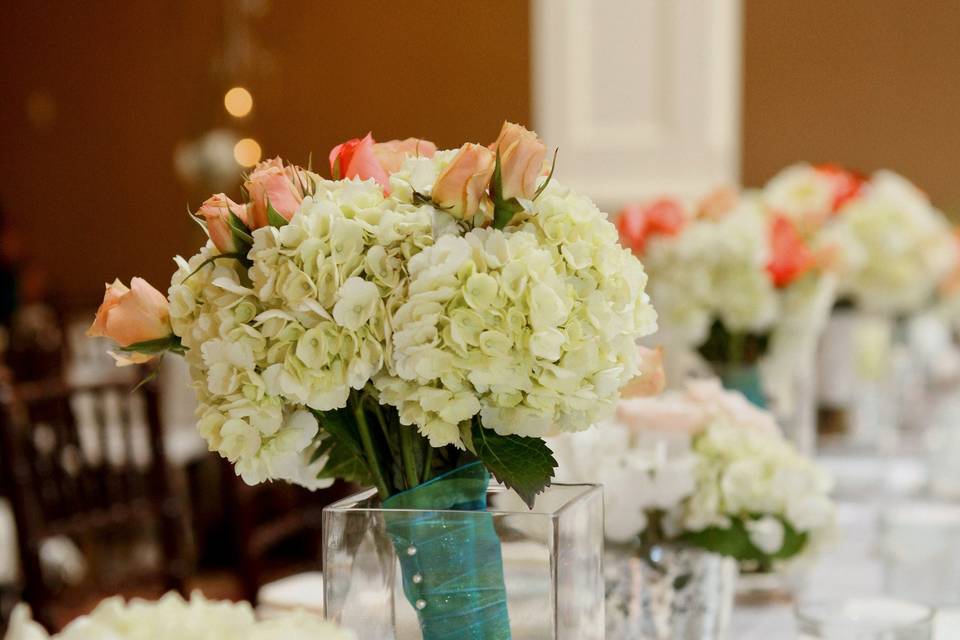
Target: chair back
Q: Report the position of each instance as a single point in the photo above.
(88, 463)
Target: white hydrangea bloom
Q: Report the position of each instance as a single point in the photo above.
(701, 456)
(306, 324)
(174, 617)
(800, 192)
(893, 246)
(532, 327)
(715, 269)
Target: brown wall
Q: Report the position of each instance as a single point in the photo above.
(868, 83)
(94, 191)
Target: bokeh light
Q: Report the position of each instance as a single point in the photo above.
(238, 102)
(247, 152)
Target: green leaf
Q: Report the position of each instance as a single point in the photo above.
(344, 464)
(553, 165)
(503, 212)
(338, 424)
(734, 541)
(341, 445)
(274, 218)
(335, 169)
(241, 233)
(153, 347)
(523, 464)
(200, 221)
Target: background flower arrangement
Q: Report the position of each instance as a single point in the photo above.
(889, 245)
(707, 468)
(174, 617)
(742, 294)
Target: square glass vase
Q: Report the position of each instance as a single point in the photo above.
(504, 573)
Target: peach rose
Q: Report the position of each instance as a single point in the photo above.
(521, 160)
(357, 159)
(651, 378)
(718, 203)
(710, 395)
(671, 412)
(131, 315)
(392, 153)
(216, 212)
(271, 182)
(462, 185)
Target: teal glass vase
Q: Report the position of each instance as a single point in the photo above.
(461, 557)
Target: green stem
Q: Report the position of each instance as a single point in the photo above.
(427, 464)
(409, 457)
(366, 440)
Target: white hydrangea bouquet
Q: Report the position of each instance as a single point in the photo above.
(890, 247)
(422, 315)
(174, 617)
(707, 468)
(737, 286)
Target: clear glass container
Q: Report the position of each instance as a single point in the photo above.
(864, 619)
(378, 583)
(668, 592)
(921, 559)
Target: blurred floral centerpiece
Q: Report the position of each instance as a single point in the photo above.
(740, 290)
(423, 318)
(892, 253)
(696, 475)
(889, 246)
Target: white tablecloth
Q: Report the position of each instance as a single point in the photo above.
(851, 568)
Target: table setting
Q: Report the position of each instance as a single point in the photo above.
(560, 424)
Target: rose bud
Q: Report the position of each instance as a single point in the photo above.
(216, 213)
(392, 153)
(271, 182)
(521, 160)
(132, 315)
(356, 159)
(462, 185)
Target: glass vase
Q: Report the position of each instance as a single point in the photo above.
(468, 566)
(669, 592)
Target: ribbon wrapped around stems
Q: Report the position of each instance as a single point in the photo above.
(450, 560)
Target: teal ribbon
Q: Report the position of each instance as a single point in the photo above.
(745, 379)
(449, 556)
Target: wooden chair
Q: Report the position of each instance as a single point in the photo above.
(266, 518)
(84, 463)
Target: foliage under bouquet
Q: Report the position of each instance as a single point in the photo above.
(423, 315)
(174, 617)
(706, 468)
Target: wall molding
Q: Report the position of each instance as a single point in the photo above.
(641, 96)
